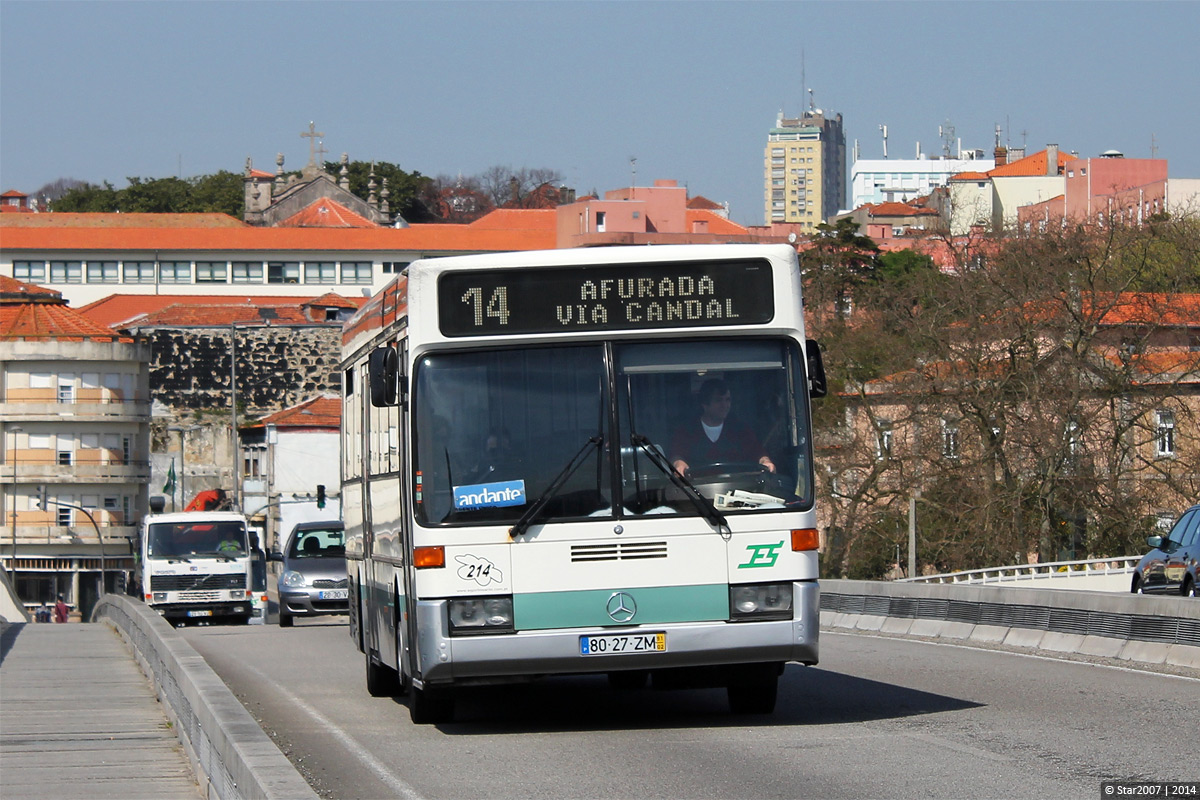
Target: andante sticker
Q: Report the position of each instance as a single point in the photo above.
(490, 495)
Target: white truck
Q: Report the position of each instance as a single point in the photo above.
(196, 566)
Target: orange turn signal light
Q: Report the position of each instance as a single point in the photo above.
(806, 539)
(426, 557)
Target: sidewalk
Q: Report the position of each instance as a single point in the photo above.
(78, 719)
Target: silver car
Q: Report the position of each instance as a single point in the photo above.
(313, 581)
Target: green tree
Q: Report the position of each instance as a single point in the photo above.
(404, 188)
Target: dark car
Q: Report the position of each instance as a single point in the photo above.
(1170, 568)
(313, 581)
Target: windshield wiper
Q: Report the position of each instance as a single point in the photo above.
(545, 497)
(702, 503)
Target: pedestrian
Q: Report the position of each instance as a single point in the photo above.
(60, 610)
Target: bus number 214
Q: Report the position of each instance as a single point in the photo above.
(496, 306)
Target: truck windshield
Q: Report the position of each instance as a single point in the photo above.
(196, 540)
(494, 429)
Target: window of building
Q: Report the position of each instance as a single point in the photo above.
(247, 271)
(883, 439)
(949, 438)
(358, 271)
(102, 272)
(66, 389)
(212, 272)
(320, 272)
(1164, 436)
(392, 267)
(29, 271)
(64, 515)
(283, 272)
(139, 271)
(66, 272)
(175, 272)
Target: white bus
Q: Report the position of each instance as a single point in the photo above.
(525, 488)
(196, 566)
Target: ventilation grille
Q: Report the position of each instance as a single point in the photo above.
(618, 551)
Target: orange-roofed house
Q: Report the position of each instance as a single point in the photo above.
(74, 420)
(991, 199)
(285, 456)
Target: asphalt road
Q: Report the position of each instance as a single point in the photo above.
(879, 718)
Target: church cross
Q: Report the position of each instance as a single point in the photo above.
(312, 136)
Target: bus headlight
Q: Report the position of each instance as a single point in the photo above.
(291, 579)
(481, 615)
(760, 601)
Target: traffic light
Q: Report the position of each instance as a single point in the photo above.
(40, 500)
(320, 495)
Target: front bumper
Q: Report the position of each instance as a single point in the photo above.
(308, 602)
(446, 659)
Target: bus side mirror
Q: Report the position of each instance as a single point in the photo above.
(816, 369)
(384, 375)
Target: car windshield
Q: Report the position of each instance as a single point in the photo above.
(196, 539)
(497, 431)
(318, 543)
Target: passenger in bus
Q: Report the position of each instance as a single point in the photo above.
(716, 438)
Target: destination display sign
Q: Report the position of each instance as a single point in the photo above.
(605, 297)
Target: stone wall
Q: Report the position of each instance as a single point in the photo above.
(277, 367)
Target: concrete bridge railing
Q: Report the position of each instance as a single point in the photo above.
(1142, 628)
(231, 755)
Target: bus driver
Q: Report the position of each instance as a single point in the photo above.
(715, 438)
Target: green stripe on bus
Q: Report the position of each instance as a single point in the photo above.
(655, 606)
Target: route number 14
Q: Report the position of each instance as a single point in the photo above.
(496, 305)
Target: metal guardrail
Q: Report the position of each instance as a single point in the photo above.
(1088, 568)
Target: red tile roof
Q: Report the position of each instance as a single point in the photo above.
(536, 231)
(13, 290)
(319, 412)
(717, 224)
(51, 321)
(702, 202)
(122, 309)
(1029, 166)
(897, 209)
(326, 213)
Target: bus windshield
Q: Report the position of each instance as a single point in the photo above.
(497, 430)
(196, 539)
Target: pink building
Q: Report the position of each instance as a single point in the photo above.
(1115, 187)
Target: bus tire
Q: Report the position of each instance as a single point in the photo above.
(754, 689)
(430, 706)
(381, 679)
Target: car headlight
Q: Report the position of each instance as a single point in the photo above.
(290, 579)
(760, 601)
(481, 615)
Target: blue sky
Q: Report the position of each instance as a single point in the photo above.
(106, 90)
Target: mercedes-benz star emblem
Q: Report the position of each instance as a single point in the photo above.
(621, 607)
